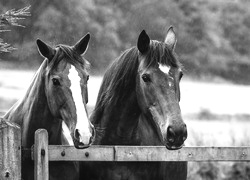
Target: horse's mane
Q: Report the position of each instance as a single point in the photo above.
(119, 81)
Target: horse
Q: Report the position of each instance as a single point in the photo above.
(56, 101)
(138, 104)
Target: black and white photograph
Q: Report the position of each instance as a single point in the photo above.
(124, 90)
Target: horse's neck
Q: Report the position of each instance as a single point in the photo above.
(32, 112)
(120, 122)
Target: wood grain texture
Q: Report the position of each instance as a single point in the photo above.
(70, 153)
(10, 150)
(41, 155)
(148, 153)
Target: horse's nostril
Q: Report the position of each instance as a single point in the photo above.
(170, 135)
(91, 137)
(171, 140)
(77, 134)
(93, 131)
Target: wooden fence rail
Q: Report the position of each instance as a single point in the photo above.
(42, 153)
(134, 153)
(148, 153)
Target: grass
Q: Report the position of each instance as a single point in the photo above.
(218, 133)
(207, 115)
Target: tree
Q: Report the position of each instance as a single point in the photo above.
(11, 18)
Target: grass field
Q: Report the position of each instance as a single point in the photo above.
(217, 114)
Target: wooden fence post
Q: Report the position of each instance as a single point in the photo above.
(41, 159)
(10, 150)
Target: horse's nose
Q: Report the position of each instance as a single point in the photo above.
(84, 138)
(176, 135)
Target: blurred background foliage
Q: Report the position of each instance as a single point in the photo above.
(213, 36)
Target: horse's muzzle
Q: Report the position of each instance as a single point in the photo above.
(78, 140)
(176, 135)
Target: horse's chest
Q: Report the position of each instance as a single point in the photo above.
(130, 171)
(64, 171)
(119, 173)
(143, 171)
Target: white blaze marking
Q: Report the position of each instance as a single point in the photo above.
(164, 68)
(66, 132)
(82, 119)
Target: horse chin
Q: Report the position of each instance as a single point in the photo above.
(80, 145)
(174, 147)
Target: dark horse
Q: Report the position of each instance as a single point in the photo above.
(138, 104)
(56, 101)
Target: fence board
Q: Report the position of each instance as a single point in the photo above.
(10, 150)
(185, 154)
(44, 153)
(69, 153)
(148, 153)
(41, 155)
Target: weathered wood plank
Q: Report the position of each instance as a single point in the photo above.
(70, 153)
(148, 153)
(41, 155)
(10, 150)
(185, 154)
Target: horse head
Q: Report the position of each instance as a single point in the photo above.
(157, 88)
(66, 90)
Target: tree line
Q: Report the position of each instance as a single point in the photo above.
(213, 36)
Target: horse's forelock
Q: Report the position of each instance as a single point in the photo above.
(67, 53)
(159, 52)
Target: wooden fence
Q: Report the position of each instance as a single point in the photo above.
(42, 153)
(10, 151)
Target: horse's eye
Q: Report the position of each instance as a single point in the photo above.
(56, 82)
(146, 78)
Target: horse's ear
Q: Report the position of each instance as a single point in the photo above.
(143, 42)
(171, 39)
(45, 50)
(81, 46)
